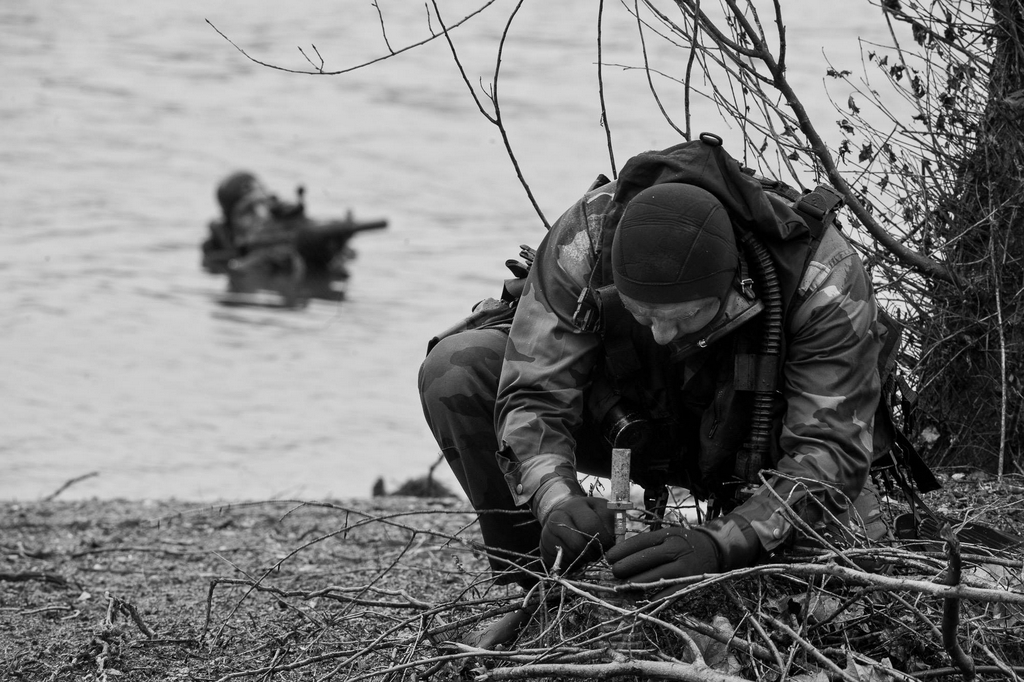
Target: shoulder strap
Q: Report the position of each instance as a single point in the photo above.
(819, 207)
(893, 449)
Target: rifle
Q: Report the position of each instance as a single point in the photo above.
(304, 231)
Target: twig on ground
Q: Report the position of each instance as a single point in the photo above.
(68, 483)
(951, 607)
(42, 576)
(46, 609)
(117, 605)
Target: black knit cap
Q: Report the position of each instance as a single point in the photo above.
(674, 243)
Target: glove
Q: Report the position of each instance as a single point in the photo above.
(666, 553)
(724, 544)
(582, 527)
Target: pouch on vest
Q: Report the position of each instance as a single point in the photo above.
(495, 312)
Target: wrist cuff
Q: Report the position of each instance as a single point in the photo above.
(553, 490)
(738, 544)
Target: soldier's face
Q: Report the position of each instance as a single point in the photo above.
(670, 321)
(254, 205)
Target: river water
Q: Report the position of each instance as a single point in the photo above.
(118, 120)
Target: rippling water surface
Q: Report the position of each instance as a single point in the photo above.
(118, 119)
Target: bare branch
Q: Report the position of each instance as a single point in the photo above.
(600, 90)
(392, 53)
(495, 119)
(383, 28)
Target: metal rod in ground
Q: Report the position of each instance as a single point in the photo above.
(620, 502)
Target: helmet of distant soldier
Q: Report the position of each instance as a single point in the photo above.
(234, 188)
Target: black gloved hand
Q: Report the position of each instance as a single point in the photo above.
(582, 527)
(667, 553)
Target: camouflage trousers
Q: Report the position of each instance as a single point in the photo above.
(458, 382)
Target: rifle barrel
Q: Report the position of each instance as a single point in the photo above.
(346, 226)
(316, 229)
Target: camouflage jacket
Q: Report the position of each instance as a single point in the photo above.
(829, 380)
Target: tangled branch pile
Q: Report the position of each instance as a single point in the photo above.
(398, 589)
(433, 612)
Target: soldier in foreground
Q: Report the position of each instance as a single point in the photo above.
(728, 339)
